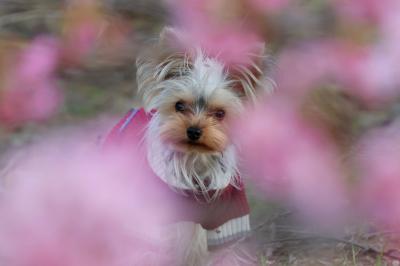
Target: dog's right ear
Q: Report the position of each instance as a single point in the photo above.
(163, 61)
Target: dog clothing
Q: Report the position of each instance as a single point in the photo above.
(226, 218)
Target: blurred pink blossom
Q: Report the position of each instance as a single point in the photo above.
(83, 25)
(381, 69)
(293, 162)
(362, 71)
(232, 41)
(30, 91)
(270, 5)
(89, 32)
(377, 74)
(364, 10)
(81, 40)
(68, 204)
(378, 155)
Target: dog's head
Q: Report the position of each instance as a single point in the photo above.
(195, 95)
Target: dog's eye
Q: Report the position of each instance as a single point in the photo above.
(219, 114)
(180, 106)
(176, 74)
(171, 75)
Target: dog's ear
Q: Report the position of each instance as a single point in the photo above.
(171, 38)
(251, 77)
(162, 61)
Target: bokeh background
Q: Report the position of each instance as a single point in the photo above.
(102, 80)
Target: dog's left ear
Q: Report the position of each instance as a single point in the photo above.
(251, 77)
(160, 62)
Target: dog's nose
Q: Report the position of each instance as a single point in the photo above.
(194, 133)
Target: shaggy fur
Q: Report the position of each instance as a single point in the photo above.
(205, 86)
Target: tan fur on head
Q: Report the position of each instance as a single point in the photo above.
(214, 137)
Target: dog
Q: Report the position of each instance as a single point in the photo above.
(189, 99)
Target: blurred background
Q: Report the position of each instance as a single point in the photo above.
(95, 44)
(96, 74)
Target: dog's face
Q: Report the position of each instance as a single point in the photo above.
(195, 96)
(196, 105)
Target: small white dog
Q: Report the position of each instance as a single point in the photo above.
(188, 100)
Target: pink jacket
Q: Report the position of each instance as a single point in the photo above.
(225, 219)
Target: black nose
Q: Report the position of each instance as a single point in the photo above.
(193, 133)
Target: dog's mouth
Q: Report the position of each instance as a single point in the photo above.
(187, 145)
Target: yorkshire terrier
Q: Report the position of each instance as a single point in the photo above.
(189, 98)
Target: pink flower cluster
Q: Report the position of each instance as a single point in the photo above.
(231, 39)
(68, 204)
(29, 91)
(377, 163)
(270, 5)
(364, 72)
(293, 162)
